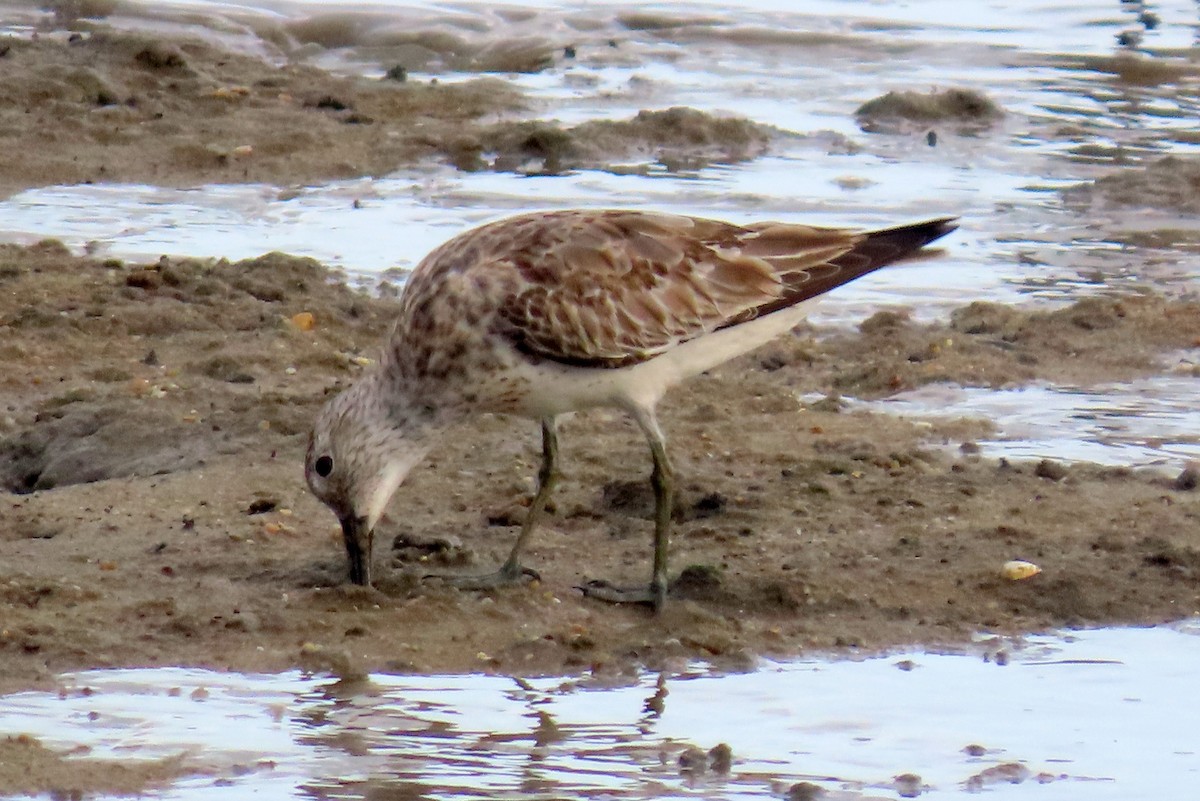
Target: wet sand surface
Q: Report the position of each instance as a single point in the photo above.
(159, 412)
(108, 106)
(153, 418)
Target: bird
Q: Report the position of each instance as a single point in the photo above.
(547, 313)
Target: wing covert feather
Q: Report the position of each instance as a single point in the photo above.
(648, 285)
(612, 288)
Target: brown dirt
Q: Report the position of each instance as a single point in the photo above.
(1171, 184)
(29, 768)
(676, 139)
(111, 106)
(964, 110)
(183, 390)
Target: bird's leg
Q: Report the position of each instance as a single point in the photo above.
(511, 572)
(548, 477)
(662, 480)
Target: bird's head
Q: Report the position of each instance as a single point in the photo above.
(359, 452)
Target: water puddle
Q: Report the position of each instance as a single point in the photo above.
(1149, 423)
(368, 226)
(1102, 714)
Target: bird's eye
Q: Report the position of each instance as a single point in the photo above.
(324, 466)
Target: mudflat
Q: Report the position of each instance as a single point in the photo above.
(153, 419)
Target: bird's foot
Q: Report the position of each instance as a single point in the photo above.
(654, 595)
(506, 576)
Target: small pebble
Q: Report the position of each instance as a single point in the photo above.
(908, 785)
(805, 791)
(720, 758)
(1129, 38)
(304, 321)
(1047, 468)
(693, 760)
(230, 92)
(1017, 570)
(1187, 480)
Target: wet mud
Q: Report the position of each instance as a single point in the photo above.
(676, 140)
(155, 415)
(108, 106)
(1134, 69)
(1170, 184)
(116, 107)
(962, 110)
(28, 768)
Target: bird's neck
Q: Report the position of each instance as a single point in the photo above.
(403, 410)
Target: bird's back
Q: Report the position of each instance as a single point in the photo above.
(608, 289)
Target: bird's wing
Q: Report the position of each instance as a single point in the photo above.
(608, 289)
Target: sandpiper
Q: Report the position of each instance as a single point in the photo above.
(552, 312)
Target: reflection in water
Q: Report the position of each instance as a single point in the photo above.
(1105, 714)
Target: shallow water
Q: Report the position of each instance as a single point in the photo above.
(1149, 423)
(1103, 714)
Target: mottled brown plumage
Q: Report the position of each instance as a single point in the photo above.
(552, 312)
(612, 288)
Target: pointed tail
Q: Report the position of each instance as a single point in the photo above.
(873, 250)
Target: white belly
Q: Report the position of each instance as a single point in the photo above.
(553, 388)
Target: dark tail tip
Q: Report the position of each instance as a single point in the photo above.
(874, 249)
(912, 236)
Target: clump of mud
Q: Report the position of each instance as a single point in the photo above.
(653, 21)
(1091, 341)
(1171, 183)
(27, 767)
(170, 364)
(424, 47)
(112, 106)
(1135, 70)
(896, 112)
(676, 139)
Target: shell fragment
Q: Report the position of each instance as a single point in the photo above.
(1017, 569)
